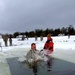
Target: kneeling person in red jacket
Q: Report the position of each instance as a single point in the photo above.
(49, 45)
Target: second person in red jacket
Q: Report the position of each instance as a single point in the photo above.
(49, 45)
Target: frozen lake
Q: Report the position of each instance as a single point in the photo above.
(63, 61)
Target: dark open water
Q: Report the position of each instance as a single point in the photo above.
(51, 67)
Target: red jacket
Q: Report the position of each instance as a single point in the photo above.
(49, 45)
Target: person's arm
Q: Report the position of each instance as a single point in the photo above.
(29, 55)
(44, 46)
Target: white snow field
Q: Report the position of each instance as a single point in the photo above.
(64, 49)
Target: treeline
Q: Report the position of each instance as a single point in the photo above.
(40, 32)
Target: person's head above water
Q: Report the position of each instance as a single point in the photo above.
(33, 46)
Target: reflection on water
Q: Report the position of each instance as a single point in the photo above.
(41, 67)
(49, 64)
(34, 67)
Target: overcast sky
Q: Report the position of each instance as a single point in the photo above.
(28, 15)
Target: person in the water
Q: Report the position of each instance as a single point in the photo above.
(33, 54)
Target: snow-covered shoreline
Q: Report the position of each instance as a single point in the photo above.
(61, 43)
